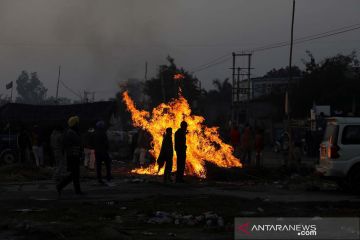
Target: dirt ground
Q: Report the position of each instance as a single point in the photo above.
(142, 207)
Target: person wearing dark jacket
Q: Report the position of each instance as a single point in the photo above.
(259, 147)
(166, 155)
(101, 151)
(72, 149)
(24, 144)
(57, 146)
(180, 148)
(247, 145)
(37, 142)
(89, 152)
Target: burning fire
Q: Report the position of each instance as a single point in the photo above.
(203, 143)
(179, 76)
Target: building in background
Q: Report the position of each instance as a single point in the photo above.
(264, 86)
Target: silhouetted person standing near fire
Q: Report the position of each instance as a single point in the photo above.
(72, 148)
(166, 155)
(180, 148)
(57, 146)
(24, 144)
(101, 151)
(246, 145)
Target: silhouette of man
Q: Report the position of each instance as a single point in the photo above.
(24, 143)
(180, 148)
(166, 155)
(72, 148)
(246, 145)
(101, 151)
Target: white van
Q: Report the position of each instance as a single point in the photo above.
(340, 152)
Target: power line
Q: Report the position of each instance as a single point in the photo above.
(70, 90)
(300, 40)
(211, 62)
(211, 65)
(310, 36)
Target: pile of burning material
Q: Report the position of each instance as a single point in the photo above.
(203, 143)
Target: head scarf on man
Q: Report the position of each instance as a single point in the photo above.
(74, 120)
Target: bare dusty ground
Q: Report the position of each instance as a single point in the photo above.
(133, 207)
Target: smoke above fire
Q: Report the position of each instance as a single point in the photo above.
(203, 143)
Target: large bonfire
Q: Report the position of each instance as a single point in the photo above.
(203, 143)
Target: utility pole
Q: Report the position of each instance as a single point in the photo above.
(291, 44)
(234, 92)
(86, 97)
(238, 105)
(146, 70)
(57, 86)
(93, 96)
(287, 103)
(249, 78)
(238, 83)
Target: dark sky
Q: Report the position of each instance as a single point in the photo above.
(99, 43)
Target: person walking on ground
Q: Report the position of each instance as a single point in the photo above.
(143, 145)
(246, 145)
(235, 139)
(180, 148)
(72, 149)
(37, 146)
(89, 152)
(259, 147)
(133, 144)
(56, 142)
(166, 155)
(24, 144)
(101, 151)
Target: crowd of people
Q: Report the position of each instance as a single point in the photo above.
(69, 150)
(245, 142)
(69, 147)
(31, 145)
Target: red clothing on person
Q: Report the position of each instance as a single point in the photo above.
(259, 143)
(234, 137)
(246, 139)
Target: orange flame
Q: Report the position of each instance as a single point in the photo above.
(179, 76)
(203, 143)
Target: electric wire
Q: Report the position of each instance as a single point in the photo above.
(333, 32)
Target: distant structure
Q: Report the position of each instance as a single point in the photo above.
(241, 87)
(48, 116)
(89, 97)
(265, 86)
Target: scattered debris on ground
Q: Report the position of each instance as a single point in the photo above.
(209, 219)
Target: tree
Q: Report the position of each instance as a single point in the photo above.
(60, 101)
(135, 89)
(215, 104)
(222, 91)
(164, 87)
(333, 81)
(284, 72)
(3, 100)
(30, 89)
